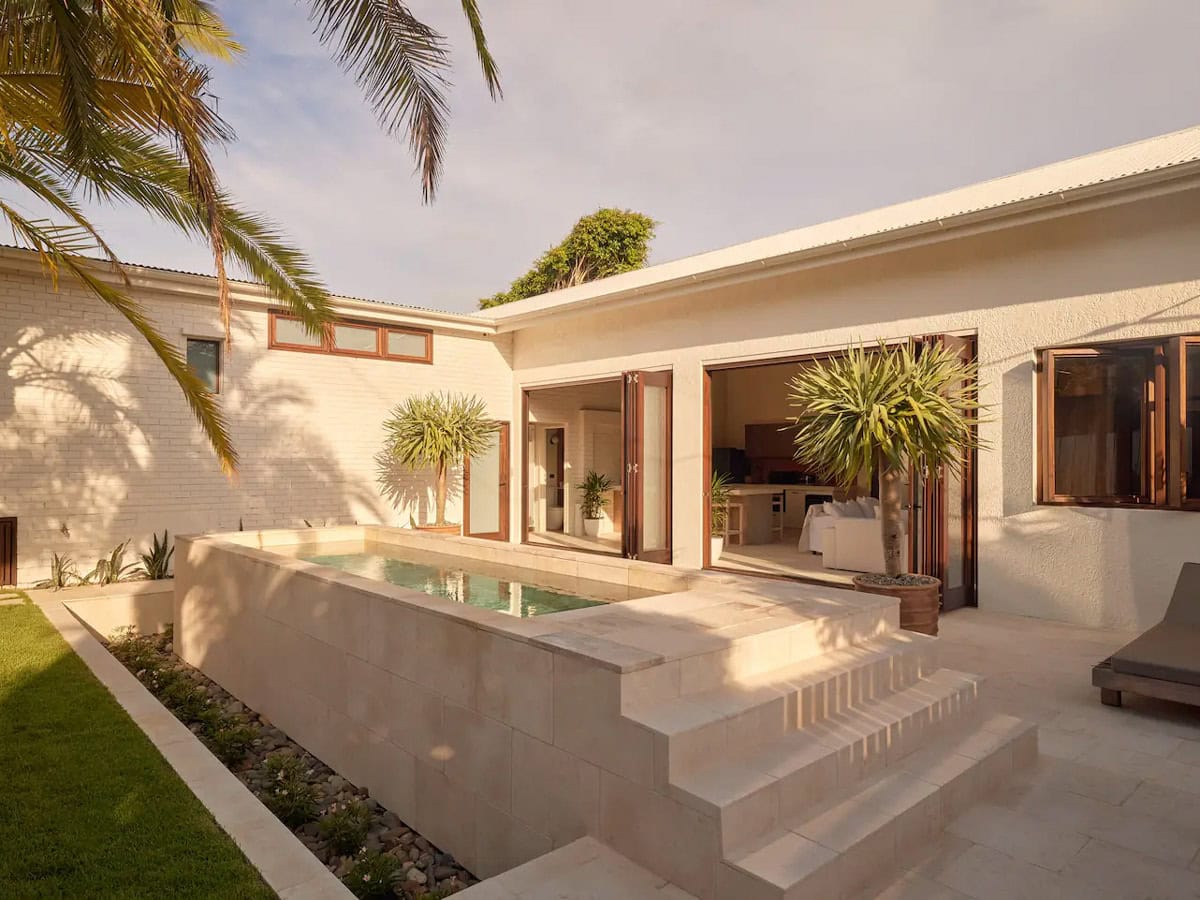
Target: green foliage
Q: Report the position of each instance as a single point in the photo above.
(157, 561)
(230, 740)
(136, 653)
(184, 698)
(372, 876)
(289, 795)
(436, 430)
(62, 573)
(718, 502)
(888, 408)
(344, 826)
(113, 568)
(607, 242)
(593, 489)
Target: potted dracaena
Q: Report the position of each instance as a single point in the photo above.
(718, 513)
(888, 410)
(593, 500)
(438, 431)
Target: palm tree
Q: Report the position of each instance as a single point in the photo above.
(436, 430)
(885, 410)
(107, 100)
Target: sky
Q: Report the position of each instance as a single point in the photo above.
(724, 121)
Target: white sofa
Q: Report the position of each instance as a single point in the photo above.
(856, 545)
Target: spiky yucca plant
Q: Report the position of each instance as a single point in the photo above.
(438, 430)
(885, 409)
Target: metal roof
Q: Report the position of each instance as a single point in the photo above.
(1107, 167)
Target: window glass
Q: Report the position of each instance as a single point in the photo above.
(405, 343)
(1190, 452)
(292, 331)
(1099, 411)
(356, 338)
(205, 359)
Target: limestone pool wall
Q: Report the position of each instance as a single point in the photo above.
(469, 724)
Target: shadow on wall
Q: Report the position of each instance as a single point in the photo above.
(412, 493)
(93, 454)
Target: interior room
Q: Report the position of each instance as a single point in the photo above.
(780, 515)
(574, 430)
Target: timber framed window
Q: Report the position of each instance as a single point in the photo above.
(1119, 424)
(352, 337)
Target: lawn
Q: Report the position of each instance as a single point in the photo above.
(88, 807)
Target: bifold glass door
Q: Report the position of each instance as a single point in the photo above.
(943, 532)
(647, 450)
(485, 485)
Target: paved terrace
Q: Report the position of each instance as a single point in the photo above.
(1111, 809)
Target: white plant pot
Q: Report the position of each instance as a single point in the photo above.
(591, 527)
(718, 545)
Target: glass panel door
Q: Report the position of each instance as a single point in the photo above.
(943, 539)
(646, 534)
(485, 480)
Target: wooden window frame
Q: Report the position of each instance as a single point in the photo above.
(326, 346)
(220, 356)
(1177, 477)
(1164, 480)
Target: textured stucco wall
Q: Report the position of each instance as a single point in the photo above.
(97, 444)
(1127, 271)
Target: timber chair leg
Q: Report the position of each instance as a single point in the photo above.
(1109, 697)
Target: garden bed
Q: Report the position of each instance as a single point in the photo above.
(367, 846)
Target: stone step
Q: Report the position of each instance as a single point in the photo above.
(738, 639)
(840, 845)
(583, 868)
(752, 793)
(691, 731)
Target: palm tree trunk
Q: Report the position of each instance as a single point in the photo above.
(890, 503)
(441, 494)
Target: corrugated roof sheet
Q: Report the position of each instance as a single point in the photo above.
(1162, 152)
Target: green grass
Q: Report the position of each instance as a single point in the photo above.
(88, 807)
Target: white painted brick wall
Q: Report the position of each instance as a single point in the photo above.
(98, 445)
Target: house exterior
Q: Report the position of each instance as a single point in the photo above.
(1077, 286)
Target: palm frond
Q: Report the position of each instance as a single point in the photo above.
(401, 65)
(62, 248)
(137, 169)
(491, 72)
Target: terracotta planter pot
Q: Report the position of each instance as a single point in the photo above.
(440, 529)
(918, 602)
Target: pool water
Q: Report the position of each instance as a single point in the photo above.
(451, 583)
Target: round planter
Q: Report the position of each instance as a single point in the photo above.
(591, 527)
(718, 546)
(918, 602)
(440, 529)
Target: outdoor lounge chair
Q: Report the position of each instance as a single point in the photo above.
(1165, 661)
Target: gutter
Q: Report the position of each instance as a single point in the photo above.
(1069, 201)
(154, 284)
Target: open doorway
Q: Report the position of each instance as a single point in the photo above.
(573, 431)
(781, 520)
